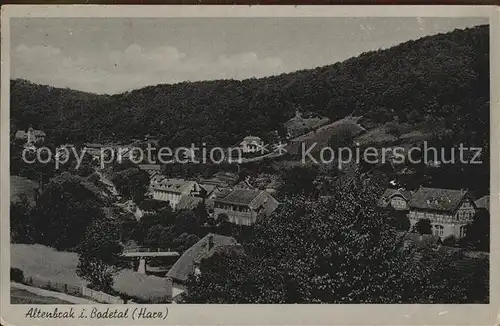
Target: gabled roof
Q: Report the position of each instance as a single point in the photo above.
(226, 175)
(93, 145)
(437, 199)
(173, 185)
(21, 134)
(252, 139)
(251, 198)
(189, 202)
(222, 192)
(155, 167)
(209, 188)
(389, 193)
(222, 179)
(483, 202)
(240, 196)
(184, 266)
(39, 133)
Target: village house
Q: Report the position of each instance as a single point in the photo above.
(210, 191)
(251, 144)
(449, 211)
(189, 262)
(221, 179)
(171, 190)
(31, 136)
(242, 206)
(396, 198)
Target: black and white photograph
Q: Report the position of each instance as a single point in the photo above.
(225, 160)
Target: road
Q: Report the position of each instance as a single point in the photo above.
(53, 294)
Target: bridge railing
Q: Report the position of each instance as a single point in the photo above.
(143, 249)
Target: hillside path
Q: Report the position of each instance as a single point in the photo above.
(53, 294)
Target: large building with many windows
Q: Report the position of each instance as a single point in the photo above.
(172, 190)
(449, 211)
(243, 206)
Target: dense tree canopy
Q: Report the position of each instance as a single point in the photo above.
(100, 254)
(65, 209)
(132, 183)
(339, 250)
(444, 76)
(478, 231)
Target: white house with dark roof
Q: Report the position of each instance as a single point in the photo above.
(172, 190)
(449, 211)
(242, 206)
(251, 144)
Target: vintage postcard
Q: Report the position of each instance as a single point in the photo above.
(250, 165)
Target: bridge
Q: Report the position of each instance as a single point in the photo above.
(143, 253)
(150, 254)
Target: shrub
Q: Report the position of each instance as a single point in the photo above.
(16, 275)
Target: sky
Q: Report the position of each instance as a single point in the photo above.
(114, 55)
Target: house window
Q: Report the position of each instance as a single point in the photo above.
(463, 230)
(438, 230)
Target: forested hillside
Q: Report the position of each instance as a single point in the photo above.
(443, 77)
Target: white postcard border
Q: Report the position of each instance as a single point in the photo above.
(180, 314)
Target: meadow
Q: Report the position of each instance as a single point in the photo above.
(49, 265)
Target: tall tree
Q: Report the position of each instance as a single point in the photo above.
(21, 224)
(478, 231)
(132, 183)
(423, 226)
(339, 250)
(100, 255)
(64, 210)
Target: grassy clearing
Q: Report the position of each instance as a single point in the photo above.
(47, 264)
(393, 133)
(320, 137)
(18, 296)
